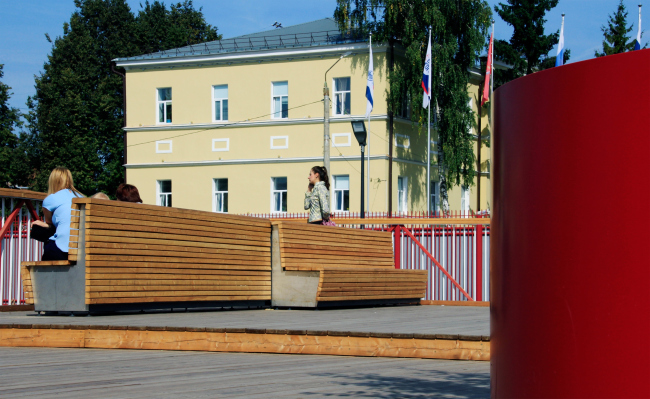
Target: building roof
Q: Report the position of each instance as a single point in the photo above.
(316, 33)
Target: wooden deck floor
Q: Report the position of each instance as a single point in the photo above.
(402, 319)
(83, 373)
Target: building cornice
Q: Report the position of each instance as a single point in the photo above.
(268, 122)
(251, 56)
(342, 158)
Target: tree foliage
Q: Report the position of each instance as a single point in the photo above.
(616, 33)
(528, 48)
(14, 164)
(76, 116)
(458, 33)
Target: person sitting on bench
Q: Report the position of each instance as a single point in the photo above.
(128, 193)
(57, 207)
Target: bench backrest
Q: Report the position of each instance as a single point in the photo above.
(314, 247)
(145, 253)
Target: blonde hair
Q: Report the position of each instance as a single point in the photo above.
(100, 195)
(61, 178)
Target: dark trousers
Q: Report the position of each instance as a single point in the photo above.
(52, 252)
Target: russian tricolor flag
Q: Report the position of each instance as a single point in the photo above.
(370, 85)
(637, 43)
(559, 58)
(426, 76)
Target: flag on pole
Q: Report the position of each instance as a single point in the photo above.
(637, 44)
(488, 72)
(426, 76)
(370, 87)
(559, 58)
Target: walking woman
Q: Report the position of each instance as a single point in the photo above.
(57, 207)
(317, 197)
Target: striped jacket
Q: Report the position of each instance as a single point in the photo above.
(318, 203)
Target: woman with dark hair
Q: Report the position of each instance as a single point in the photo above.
(317, 197)
(128, 193)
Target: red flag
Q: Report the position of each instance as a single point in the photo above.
(488, 72)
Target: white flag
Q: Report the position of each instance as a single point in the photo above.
(371, 84)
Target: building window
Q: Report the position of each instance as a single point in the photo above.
(221, 195)
(280, 100)
(404, 109)
(464, 199)
(402, 193)
(342, 96)
(470, 105)
(342, 193)
(220, 98)
(165, 105)
(435, 196)
(164, 193)
(278, 194)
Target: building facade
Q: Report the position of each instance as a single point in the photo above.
(235, 126)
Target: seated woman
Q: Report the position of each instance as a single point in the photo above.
(57, 207)
(128, 193)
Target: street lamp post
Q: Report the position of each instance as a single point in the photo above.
(359, 129)
(326, 121)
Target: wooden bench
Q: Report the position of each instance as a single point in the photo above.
(134, 256)
(332, 266)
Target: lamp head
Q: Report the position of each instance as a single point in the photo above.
(359, 129)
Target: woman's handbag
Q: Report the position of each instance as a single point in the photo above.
(328, 222)
(42, 234)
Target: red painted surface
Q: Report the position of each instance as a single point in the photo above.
(570, 299)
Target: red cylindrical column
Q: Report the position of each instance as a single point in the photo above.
(570, 286)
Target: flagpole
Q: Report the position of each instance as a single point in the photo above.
(429, 140)
(368, 143)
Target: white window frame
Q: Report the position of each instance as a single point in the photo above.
(435, 196)
(273, 110)
(216, 192)
(465, 198)
(214, 119)
(341, 92)
(227, 141)
(470, 104)
(402, 195)
(274, 191)
(165, 102)
(404, 136)
(339, 207)
(348, 135)
(280, 147)
(159, 151)
(159, 193)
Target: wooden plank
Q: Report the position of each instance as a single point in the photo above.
(169, 264)
(371, 286)
(336, 246)
(173, 289)
(23, 194)
(305, 227)
(306, 254)
(187, 216)
(177, 283)
(48, 263)
(206, 248)
(92, 301)
(231, 236)
(319, 236)
(365, 297)
(349, 262)
(215, 256)
(176, 268)
(136, 273)
(216, 232)
(320, 268)
(163, 224)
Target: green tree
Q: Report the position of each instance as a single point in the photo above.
(459, 31)
(14, 163)
(616, 39)
(76, 116)
(528, 48)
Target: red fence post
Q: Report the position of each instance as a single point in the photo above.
(398, 242)
(479, 262)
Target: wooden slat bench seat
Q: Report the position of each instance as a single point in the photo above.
(328, 266)
(131, 256)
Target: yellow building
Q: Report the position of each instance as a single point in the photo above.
(235, 125)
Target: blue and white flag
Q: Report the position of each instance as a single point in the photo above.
(426, 76)
(370, 86)
(637, 44)
(559, 58)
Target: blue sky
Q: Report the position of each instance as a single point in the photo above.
(23, 25)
